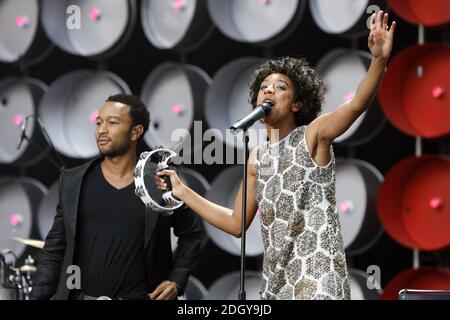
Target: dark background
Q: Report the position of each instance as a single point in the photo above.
(138, 58)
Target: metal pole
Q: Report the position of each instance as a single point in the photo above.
(242, 295)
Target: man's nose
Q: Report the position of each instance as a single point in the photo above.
(102, 128)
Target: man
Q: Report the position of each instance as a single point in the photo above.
(102, 227)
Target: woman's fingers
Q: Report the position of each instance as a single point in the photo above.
(373, 20)
(164, 172)
(160, 179)
(385, 21)
(160, 183)
(392, 28)
(379, 19)
(370, 38)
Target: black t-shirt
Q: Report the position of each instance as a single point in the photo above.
(110, 239)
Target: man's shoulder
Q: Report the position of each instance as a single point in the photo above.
(80, 169)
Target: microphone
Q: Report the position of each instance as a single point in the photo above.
(259, 112)
(22, 133)
(4, 253)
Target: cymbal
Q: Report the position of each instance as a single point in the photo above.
(27, 268)
(31, 242)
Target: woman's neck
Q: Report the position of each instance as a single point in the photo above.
(277, 134)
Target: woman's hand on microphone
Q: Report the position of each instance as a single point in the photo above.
(175, 181)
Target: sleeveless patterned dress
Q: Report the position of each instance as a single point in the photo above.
(304, 255)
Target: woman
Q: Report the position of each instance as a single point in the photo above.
(291, 179)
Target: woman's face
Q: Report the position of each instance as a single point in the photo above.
(279, 90)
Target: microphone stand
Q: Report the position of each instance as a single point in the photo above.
(261, 111)
(50, 142)
(60, 166)
(242, 294)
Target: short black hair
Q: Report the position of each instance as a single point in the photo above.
(138, 110)
(309, 88)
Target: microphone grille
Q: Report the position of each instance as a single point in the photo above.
(266, 105)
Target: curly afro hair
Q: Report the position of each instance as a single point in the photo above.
(309, 88)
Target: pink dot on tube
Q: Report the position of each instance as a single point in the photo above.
(21, 21)
(17, 119)
(177, 109)
(435, 202)
(93, 116)
(438, 92)
(349, 96)
(14, 219)
(345, 207)
(94, 14)
(258, 212)
(264, 1)
(178, 5)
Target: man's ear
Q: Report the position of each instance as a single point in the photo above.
(137, 132)
(297, 106)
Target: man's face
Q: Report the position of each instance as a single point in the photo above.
(114, 129)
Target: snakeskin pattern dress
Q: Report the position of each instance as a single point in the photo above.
(304, 255)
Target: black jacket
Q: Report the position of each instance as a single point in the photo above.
(58, 253)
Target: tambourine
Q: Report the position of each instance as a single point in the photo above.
(147, 190)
